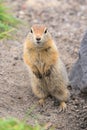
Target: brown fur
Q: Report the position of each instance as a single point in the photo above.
(48, 73)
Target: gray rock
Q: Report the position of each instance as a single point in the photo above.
(78, 74)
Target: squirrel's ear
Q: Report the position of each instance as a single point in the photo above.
(30, 31)
(26, 34)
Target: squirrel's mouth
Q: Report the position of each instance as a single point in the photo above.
(38, 42)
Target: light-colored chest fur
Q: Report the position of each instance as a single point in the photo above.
(40, 58)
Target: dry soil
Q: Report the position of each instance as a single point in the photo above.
(67, 21)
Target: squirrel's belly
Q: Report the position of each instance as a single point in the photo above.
(39, 64)
(58, 77)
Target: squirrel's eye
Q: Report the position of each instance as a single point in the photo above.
(45, 31)
(31, 31)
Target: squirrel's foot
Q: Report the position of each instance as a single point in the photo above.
(62, 106)
(41, 102)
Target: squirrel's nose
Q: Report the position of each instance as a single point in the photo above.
(38, 38)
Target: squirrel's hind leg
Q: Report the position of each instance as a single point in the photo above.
(40, 92)
(62, 95)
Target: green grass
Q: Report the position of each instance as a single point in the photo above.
(14, 124)
(8, 22)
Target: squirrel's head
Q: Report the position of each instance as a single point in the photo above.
(39, 35)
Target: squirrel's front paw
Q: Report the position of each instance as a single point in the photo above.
(47, 73)
(38, 75)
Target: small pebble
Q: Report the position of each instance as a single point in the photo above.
(15, 58)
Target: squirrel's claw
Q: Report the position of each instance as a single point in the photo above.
(62, 106)
(38, 75)
(47, 73)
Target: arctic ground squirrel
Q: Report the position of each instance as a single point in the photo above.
(47, 71)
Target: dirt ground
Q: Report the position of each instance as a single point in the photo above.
(67, 21)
